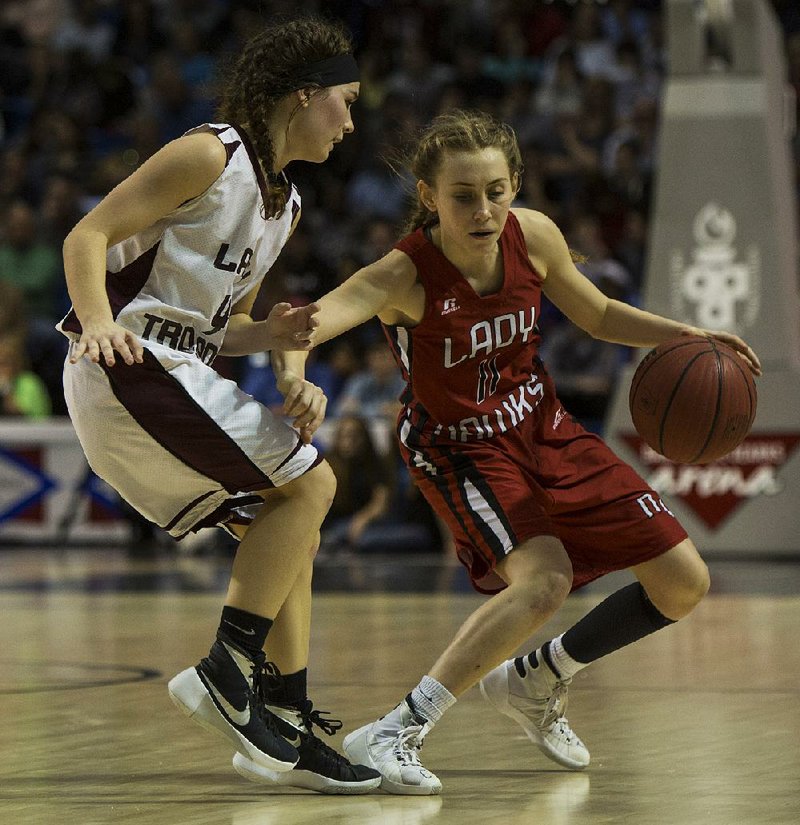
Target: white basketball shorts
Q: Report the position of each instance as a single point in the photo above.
(180, 443)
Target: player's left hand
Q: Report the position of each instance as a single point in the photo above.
(291, 328)
(303, 401)
(734, 342)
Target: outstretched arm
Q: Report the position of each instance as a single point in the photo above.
(603, 317)
(384, 287)
(285, 328)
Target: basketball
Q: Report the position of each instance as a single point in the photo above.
(692, 399)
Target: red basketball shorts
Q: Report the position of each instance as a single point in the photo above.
(548, 476)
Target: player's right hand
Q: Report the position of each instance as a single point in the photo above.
(102, 340)
(305, 402)
(743, 349)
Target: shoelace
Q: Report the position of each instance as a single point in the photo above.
(557, 711)
(566, 731)
(407, 742)
(556, 704)
(257, 681)
(265, 677)
(545, 713)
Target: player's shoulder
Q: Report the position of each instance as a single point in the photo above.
(396, 265)
(534, 224)
(543, 238)
(202, 152)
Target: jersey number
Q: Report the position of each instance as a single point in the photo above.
(488, 379)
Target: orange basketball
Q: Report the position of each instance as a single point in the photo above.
(693, 399)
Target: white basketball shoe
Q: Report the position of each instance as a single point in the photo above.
(390, 746)
(536, 699)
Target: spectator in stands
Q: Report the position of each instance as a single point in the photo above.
(561, 89)
(22, 392)
(374, 191)
(169, 98)
(586, 368)
(90, 89)
(627, 177)
(633, 80)
(61, 208)
(593, 52)
(14, 182)
(631, 248)
(478, 88)
(12, 307)
(600, 266)
(35, 269)
(419, 77)
(364, 485)
(56, 143)
(509, 61)
(373, 392)
(86, 30)
(306, 275)
(376, 239)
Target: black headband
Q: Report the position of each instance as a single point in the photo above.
(333, 71)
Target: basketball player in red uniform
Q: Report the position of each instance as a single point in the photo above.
(538, 506)
(163, 274)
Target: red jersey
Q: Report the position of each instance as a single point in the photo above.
(488, 442)
(471, 364)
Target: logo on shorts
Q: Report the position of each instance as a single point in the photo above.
(561, 414)
(450, 305)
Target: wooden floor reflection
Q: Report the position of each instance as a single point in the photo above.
(699, 724)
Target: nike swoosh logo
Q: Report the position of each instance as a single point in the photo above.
(238, 717)
(241, 629)
(295, 741)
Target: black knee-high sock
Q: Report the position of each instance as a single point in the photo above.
(244, 630)
(623, 618)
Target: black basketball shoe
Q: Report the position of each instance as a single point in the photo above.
(218, 694)
(320, 768)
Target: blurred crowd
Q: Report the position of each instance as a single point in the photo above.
(89, 89)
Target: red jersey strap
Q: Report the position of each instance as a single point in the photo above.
(410, 244)
(433, 267)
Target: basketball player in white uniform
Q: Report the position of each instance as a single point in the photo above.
(163, 274)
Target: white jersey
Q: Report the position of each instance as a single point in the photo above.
(183, 445)
(175, 285)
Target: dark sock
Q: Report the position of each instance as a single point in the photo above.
(244, 630)
(623, 618)
(288, 690)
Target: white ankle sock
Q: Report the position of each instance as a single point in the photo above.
(431, 698)
(567, 666)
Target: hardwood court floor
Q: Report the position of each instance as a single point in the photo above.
(699, 725)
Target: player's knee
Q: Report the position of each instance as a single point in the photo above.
(686, 590)
(314, 549)
(686, 596)
(698, 585)
(317, 488)
(558, 584)
(547, 592)
(693, 581)
(325, 484)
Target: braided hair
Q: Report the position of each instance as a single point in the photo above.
(265, 72)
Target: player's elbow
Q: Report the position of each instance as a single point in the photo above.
(598, 321)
